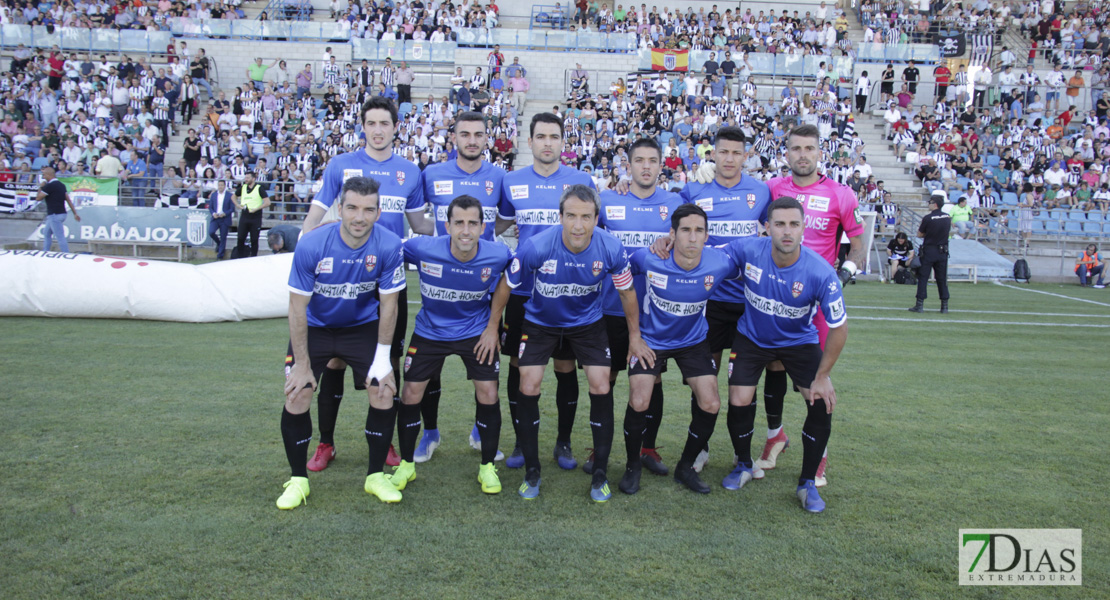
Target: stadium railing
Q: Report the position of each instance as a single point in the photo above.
(876, 52)
(253, 29)
(796, 66)
(86, 40)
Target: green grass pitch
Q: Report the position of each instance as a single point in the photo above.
(143, 460)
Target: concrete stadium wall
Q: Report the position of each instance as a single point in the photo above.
(523, 10)
(547, 70)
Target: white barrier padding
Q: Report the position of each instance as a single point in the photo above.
(56, 284)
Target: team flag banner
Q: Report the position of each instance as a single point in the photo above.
(17, 197)
(84, 191)
(670, 60)
(92, 191)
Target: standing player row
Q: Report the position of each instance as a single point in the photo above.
(526, 197)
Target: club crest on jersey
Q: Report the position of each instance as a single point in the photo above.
(523, 341)
(632, 361)
(708, 282)
(751, 200)
(597, 268)
(400, 178)
(489, 187)
(663, 212)
(408, 363)
(797, 289)
(486, 272)
(371, 262)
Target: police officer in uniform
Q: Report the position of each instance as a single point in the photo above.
(250, 199)
(935, 228)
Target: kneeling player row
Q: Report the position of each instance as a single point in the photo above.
(339, 283)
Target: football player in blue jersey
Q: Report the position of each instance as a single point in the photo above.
(343, 289)
(399, 194)
(673, 294)
(455, 318)
(442, 182)
(637, 219)
(530, 198)
(785, 284)
(736, 205)
(566, 265)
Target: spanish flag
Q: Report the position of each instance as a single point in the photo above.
(670, 60)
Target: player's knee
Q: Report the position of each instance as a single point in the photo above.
(413, 392)
(600, 387)
(485, 392)
(300, 402)
(741, 397)
(639, 403)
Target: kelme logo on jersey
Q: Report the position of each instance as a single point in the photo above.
(751, 200)
(489, 187)
(797, 289)
(486, 272)
(400, 178)
(597, 267)
(371, 261)
(709, 282)
(663, 212)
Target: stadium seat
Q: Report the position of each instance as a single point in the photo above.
(1077, 215)
(996, 197)
(1051, 225)
(1010, 198)
(1073, 228)
(954, 195)
(1037, 226)
(404, 109)
(1093, 227)
(665, 138)
(40, 162)
(962, 182)
(1055, 214)
(993, 160)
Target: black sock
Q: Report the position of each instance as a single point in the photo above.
(296, 432)
(488, 419)
(601, 425)
(741, 424)
(815, 437)
(774, 394)
(701, 429)
(528, 430)
(328, 398)
(653, 416)
(379, 435)
(513, 394)
(634, 423)
(429, 405)
(566, 401)
(408, 429)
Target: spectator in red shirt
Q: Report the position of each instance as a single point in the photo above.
(503, 148)
(57, 62)
(673, 161)
(942, 75)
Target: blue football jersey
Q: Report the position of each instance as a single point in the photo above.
(734, 213)
(567, 290)
(672, 299)
(455, 295)
(443, 182)
(783, 302)
(344, 282)
(533, 202)
(636, 223)
(399, 182)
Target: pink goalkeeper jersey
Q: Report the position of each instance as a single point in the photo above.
(829, 206)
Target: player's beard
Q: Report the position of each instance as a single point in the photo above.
(795, 170)
(477, 155)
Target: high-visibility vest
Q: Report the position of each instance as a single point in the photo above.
(251, 200)
(1088, 260)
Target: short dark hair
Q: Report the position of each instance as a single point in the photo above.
(363, 186)
(732, 134)
(469, 116)
(645, 142)
(584, 193)
(379, 102)
(465, 202)
(686, 210)
(784, 203)
(544, 117)
(806, 131)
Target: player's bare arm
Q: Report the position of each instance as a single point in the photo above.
(822, 386)
(489, 345)
(301, 376)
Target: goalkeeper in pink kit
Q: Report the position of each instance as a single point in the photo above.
(830, 208)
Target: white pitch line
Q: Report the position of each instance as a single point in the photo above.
(991, 312)
(1052, 294)
(962, 322)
